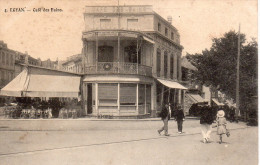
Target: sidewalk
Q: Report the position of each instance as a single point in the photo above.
(99, 124)
(94, 119)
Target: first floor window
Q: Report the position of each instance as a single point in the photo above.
(108, 94)
(128, 94)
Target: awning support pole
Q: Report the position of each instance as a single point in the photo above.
(169, 95)
(137, 98)
(162, 96)
(137, 56)
(96, 52)
(118, 51)
(145, 108)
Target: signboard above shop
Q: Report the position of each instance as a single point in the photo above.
(110, 34)
(118, 9)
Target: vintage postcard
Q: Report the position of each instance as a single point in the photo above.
(119, 82)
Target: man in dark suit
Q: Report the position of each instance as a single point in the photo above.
(179, 118)
(165, 116)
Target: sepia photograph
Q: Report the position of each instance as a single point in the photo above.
(119, 82)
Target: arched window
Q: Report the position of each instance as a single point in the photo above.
(105, 54)
(131, 54)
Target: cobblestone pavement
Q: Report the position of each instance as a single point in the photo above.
(90, 141)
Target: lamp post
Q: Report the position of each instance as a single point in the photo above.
(237, 80)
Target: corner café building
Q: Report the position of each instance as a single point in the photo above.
(130, 65)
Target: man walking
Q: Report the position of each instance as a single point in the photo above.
(165, 115)
(179, 118)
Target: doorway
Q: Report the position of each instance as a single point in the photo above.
(89, 99)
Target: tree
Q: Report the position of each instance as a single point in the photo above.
(217, 66)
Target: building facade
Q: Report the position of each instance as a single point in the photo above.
(7, 67)
(131, 61)
(73, 64)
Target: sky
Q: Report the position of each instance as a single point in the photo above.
(58, 34)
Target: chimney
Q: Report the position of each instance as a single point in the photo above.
(169, 19)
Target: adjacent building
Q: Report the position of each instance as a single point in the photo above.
(7, 60)
(73, 64)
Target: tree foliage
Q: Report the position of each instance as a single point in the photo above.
(217, 66)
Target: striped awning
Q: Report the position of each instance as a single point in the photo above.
(34, 85)
(195, 98)
(53, 86)
(172, 84)
(216, 102)
(16, 86)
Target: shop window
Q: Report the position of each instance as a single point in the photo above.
(128, 94)
(130, 53)
(158, 62)
(105, 54)
(148, 94)
(148, 98)
(141, 94)
(108, 94)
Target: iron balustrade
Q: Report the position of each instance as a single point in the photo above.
(118, 68)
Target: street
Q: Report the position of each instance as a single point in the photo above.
(92, 141)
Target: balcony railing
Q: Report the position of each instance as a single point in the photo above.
(118, 68)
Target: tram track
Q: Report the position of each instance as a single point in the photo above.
(21, 153)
